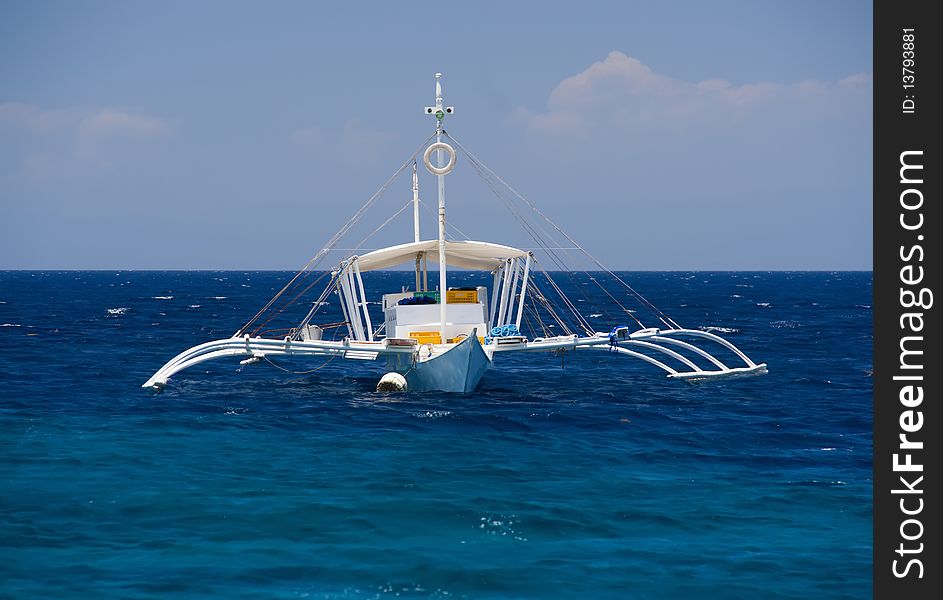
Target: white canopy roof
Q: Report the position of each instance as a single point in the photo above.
(478, 256)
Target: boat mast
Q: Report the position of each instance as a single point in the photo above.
(440, 115)
(440, 148)
(415, 203)
(416, 220)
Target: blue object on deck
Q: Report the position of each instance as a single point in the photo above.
(505, 330)
(619, 332)
(418, 300)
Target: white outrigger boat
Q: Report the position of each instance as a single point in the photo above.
(446, 339)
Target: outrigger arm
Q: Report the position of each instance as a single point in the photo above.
(692, 372)
(260, 348)
(654, 340)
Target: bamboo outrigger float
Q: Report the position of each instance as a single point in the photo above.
(445, 340)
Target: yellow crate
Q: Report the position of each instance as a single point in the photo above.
(461, 296)
(455, 340)
(426, 337)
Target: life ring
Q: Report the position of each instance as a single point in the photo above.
(439, 170)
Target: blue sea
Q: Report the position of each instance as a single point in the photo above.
(586, 476)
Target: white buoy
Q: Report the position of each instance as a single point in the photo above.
(392, 382)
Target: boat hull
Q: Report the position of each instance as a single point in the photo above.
(457, 370)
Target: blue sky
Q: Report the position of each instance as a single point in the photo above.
(228, 135)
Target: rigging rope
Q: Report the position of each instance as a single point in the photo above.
(311, 264)
(308, 372)
(435, 215)
(544, 245)
(664, 318)
(537, 293)
(541, 236)
(316, 259)
(580, 319)
(288, 303)
(553, 255)
(291, 301)
(319, 303)
(536, 312)
(382, 225)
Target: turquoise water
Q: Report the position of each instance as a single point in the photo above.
(594, 478)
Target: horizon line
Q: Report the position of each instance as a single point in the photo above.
(120, 270)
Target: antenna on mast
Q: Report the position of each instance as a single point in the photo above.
(438, 110)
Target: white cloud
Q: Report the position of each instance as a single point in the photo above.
(110, 121)
(622, 92)
(857, 79)
(42, 135)
(97, 129)
(354, 141)
(100, 122)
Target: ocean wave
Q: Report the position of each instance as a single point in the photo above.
(785, 324)
(594, 315)
(815, 482)
(10, 325)
(499, 525)
(216, 297)
(432, 414)
(117, 311)
(763, 304)
(194, 306)
(162, 297)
